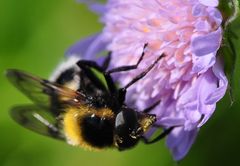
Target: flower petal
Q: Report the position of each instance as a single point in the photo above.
(200, 99)
(88, 48)
(94, 6)
(216, 16)
(203, 63)
(179, 141)
(222, 84)
(206, 44)
(211, 3)
(170, 121)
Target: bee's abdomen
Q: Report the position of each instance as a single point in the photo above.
(97, 131)
(89, 128)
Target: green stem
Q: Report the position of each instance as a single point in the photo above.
(234, 4)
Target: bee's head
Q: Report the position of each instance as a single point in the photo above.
(130, 126)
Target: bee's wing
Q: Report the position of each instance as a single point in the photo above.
(41, 91)
(38, 120)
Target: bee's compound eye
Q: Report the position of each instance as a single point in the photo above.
(126, 118)
(126, 128)
(119, 119)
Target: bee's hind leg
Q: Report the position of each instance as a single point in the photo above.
(128, 67)
(159, 137)
(147, 110)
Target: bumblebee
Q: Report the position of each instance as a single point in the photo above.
(78, 107)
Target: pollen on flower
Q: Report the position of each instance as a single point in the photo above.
(154, 22)
(145, 29)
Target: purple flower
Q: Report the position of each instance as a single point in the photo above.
(189, 81)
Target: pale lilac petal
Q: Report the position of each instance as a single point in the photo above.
(212, 3)
(94, 6)
(180, 141)
(170, 121)
(195, 101)
(206, 44)
(88, 48)
(203, 63)
(79, 48)
(216, 16)
(222, 84)
(203, 26)
(198, 10)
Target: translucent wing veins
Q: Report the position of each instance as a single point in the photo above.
(38, 120)
(40, 91)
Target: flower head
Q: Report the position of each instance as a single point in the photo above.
(189, 80)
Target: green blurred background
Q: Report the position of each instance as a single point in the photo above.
(33, 37)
